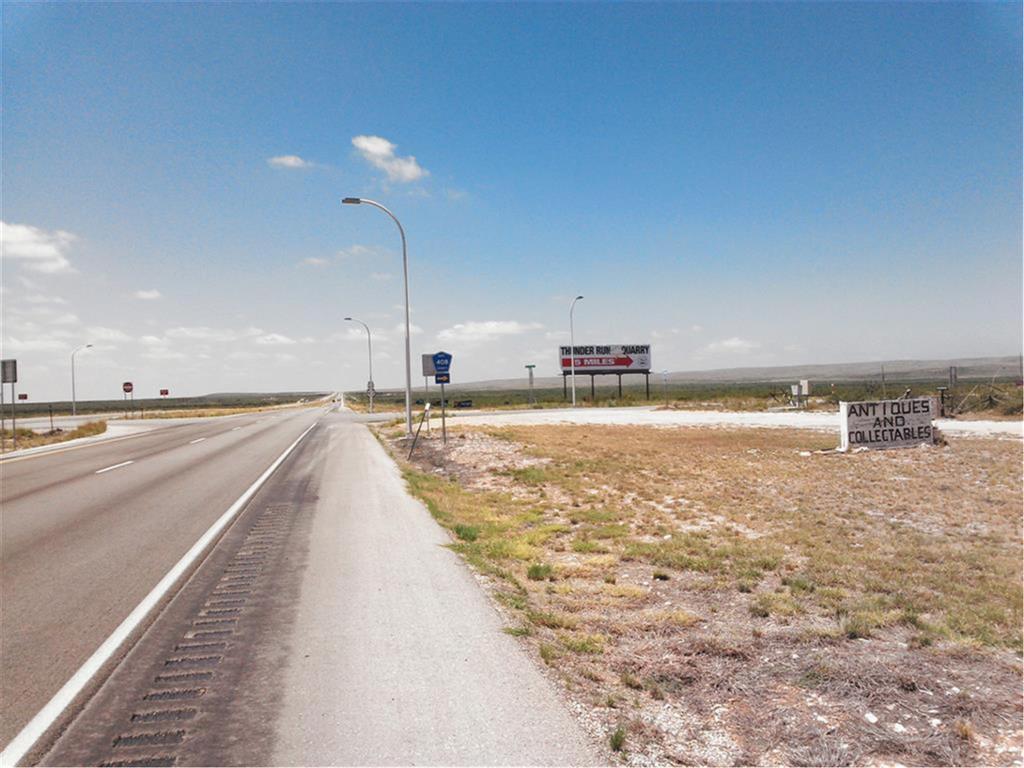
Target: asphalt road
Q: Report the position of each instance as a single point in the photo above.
(329, 625)
(81, 544)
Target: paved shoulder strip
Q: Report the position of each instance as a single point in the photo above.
(49, 714)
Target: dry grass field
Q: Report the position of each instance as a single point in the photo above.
(717, 596)
(27, 438)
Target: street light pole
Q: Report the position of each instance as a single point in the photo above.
(572, 349)
(530, 368)
(74, 408)
(405, 273)
(369, 354)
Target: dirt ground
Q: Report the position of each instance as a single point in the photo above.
(730, 597)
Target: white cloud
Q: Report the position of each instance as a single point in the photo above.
(362, 251)
(245, 354)
(473, 332)
(314, 261)
(43, 314)
(734, 344)
(43, 299)
(64, 318)
(203, 333)
(288, 161)
(381, 275)
(148, 295)
(101, 333)
(36, 344)
(162, 353)
(275, 338)
(380, 153)
(399, 330)
(36, 248)
(693, 329)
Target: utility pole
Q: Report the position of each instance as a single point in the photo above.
(405, 273)
(532, 399)
(370, 391)
(572, 350)
(74, 409)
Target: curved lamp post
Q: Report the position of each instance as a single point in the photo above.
(405, 273)
(572, 349)
(74, 409)
(369, 354)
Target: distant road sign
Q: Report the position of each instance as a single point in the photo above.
(127, 387)
(428, 365)
(442, 378)
(22, 396)
(9, 371)
(164, 392)
(369, 387)
(442, 362)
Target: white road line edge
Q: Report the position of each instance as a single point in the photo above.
(235, 428)
(197, 440)
(116, 466)
(39, 724)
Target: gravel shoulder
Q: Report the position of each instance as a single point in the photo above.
(653, 416)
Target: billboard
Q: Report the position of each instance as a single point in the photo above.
(608, 358)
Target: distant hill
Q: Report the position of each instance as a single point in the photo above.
(903, 370)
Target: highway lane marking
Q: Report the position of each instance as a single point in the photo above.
(105, 441)
(116, 466)
(234, 429)
(48, 715)
(197, 440)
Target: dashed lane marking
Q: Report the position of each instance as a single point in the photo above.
(116, 466)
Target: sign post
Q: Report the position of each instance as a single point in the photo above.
(128, 388)
(9, 375)
(442, 362)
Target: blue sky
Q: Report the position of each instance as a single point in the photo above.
(734, 184)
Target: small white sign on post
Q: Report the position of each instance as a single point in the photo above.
(887, 423)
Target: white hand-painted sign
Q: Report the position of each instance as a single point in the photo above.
(887, 423)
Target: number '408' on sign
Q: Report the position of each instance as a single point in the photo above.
(442, 362)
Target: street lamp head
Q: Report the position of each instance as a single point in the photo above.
(351, 201)
(577, 298)
(348, 318)
(88, 346)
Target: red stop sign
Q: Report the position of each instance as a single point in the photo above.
(127, 387)
(165, 392)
